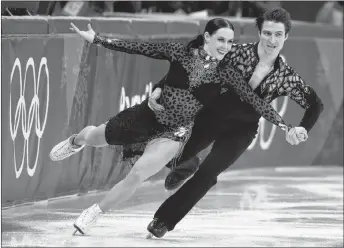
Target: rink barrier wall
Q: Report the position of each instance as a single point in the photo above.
(71, 84)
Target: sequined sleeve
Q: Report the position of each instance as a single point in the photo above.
(231, 79)
(162, 50)
(295, 88)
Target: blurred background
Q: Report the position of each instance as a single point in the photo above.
(328, 12)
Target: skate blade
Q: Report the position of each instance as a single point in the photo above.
(78, 232)
(149, 236)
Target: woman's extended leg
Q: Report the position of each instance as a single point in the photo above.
(90, 135)
(157, 153)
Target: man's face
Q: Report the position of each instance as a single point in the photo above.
(272, 36)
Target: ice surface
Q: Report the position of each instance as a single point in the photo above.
(252, 207)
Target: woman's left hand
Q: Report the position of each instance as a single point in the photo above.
(87, 35)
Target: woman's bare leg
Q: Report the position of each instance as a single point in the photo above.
(91, 136)
(157, 153)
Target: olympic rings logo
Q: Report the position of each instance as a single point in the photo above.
(27, 118)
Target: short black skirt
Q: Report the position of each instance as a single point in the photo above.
(134, 127)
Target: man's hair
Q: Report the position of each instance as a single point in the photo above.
(275, 15)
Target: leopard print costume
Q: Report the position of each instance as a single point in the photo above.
(193, 80)
(281, 81)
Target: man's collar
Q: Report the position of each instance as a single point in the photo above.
(278, 61)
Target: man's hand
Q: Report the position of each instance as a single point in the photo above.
(152, 103)
(296, 135)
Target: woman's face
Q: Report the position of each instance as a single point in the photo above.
(220, 42)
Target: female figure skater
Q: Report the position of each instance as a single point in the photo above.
(194, 80)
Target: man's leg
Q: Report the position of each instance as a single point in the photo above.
(226, 150)
(181, 172)
(202, 136)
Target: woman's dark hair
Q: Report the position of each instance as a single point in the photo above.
(275, 15)
(212, 26)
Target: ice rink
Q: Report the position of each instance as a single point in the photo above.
(253, 207)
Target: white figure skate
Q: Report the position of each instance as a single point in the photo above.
(64, 149)
(87, 219)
